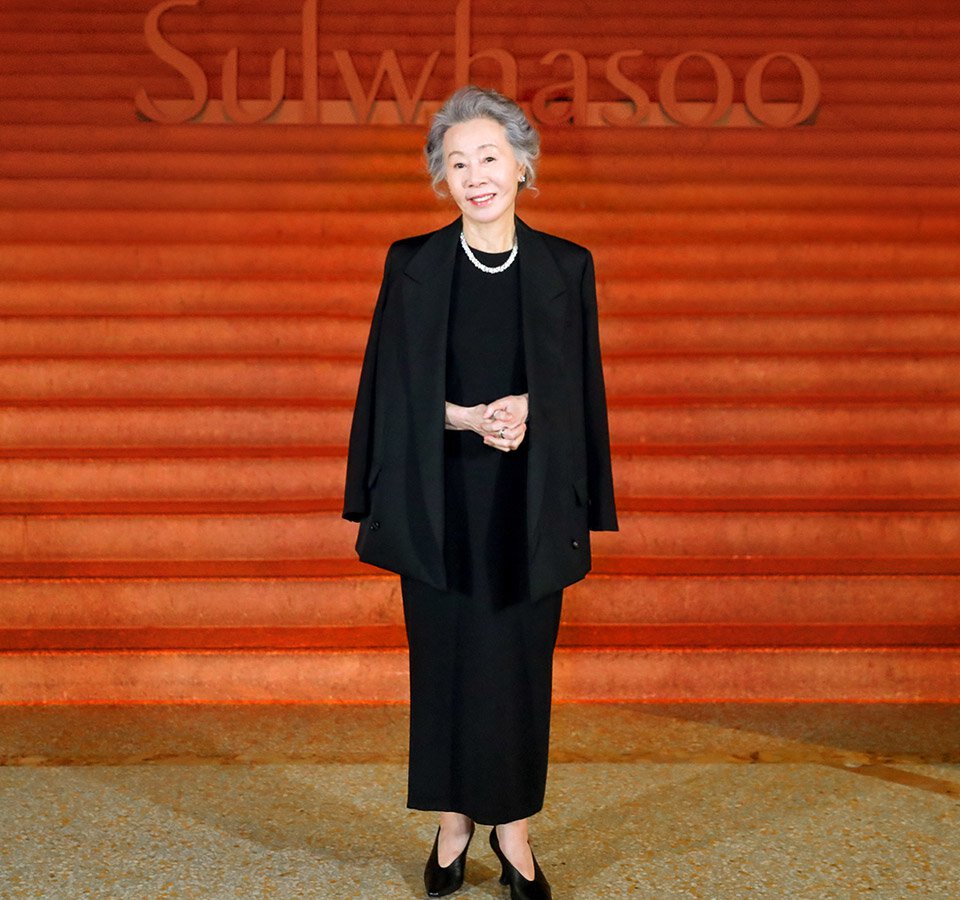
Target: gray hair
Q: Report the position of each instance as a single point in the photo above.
(469, 103)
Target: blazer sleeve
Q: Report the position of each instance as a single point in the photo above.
(356, 499)
(602, 511)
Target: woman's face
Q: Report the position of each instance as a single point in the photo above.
(482, 172)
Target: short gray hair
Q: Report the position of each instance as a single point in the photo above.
(472, 102)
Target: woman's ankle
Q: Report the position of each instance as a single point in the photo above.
(516, 830)
(455, 823)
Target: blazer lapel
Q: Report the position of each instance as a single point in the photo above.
(428, 281)
(541, 283)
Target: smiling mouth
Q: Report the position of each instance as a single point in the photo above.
(481, 199)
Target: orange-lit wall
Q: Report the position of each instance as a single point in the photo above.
(182, 310)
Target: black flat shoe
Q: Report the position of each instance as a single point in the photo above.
(521, 888)
(442, 880)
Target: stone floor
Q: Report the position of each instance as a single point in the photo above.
(645, 801)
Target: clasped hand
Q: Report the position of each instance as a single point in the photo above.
(502, 424)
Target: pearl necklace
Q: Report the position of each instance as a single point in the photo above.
(490, 270)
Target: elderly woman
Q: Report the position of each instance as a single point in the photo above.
(479, 462)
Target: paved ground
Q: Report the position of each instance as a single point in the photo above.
(645, 801)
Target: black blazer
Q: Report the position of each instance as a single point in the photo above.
(394, 482)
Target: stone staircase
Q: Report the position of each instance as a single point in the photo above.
(183, 309)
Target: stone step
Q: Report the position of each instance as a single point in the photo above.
(688, 564)
(268, 227)
(557, 168)
(62, 75)
(652, 258)
(854, 115)
(773, 637)
(643, 294)
(904, 481)
(830, 601)
(438, 35)
(740, 377)
(839, 9)
(393, 196)
(838, 542)
(891, 674)
(75, 428)
(621, 334)
(614, 19)
(895, 140)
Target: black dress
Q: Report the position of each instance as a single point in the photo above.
(481, 653)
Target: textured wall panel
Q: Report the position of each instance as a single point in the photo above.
(183, 308)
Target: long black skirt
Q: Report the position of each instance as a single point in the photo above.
(480, 694)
